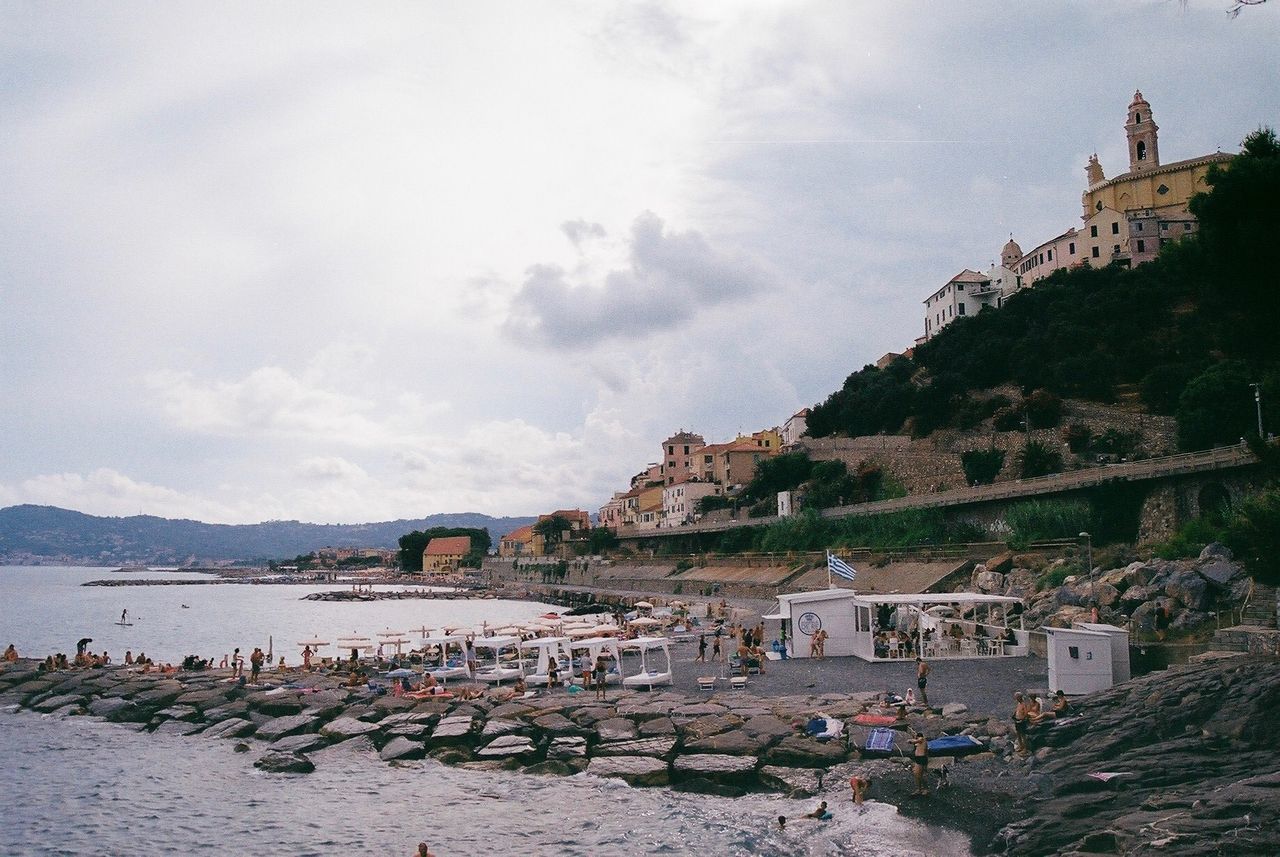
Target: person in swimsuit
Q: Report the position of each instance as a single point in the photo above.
(1060, 705)
(599, 676)
(922, 679)
(859, 784)
(919, 762)
(1021, 714)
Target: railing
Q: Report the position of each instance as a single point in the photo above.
(1133, 471)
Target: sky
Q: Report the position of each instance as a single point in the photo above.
(345, 263)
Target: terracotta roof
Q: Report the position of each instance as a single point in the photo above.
(449, 546)
(967, 276)
(523, 534)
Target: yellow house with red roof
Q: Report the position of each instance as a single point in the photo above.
(444, 554)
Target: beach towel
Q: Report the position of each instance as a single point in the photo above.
(956, 745)
(816, 725)
(835, 729)
(875, 720)
(880, 741)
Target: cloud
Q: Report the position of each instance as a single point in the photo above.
(670, 277)
(580, 231)
(330, 468)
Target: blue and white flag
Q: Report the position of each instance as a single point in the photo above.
(840, 568)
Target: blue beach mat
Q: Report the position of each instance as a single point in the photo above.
(956, 745)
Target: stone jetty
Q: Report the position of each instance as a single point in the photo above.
(1176, 762)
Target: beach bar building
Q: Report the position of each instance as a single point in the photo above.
(892, 626)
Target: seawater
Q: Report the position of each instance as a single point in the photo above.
(80, 786)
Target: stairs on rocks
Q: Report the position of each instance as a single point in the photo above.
(1260, 612)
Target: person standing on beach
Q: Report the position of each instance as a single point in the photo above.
(600, 676)
(255, 664)
(1021, 714)
(922, 679)
(124, 616)
(859, 785)
(919, 763)
(715, 645)
(235, 663)
(702, 649)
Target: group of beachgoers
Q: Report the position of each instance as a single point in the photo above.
(750, 650)
(1028, 710)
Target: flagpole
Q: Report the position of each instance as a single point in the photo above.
(830, 585)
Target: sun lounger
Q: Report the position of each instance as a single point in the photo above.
(707, 682)
(875, 719)
(738, 682)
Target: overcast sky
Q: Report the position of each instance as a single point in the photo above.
(355, 262)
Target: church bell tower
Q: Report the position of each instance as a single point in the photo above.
(1141, 129)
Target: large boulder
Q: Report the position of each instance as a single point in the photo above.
(304, 743)
(711, 724)
(1107, 595)
(1220, 572)
(798, 751)
(1189, 589)
(989, 581)
(767, 725)
(716, 767)
(508, 746)
(1136, 595)
(402, 748)
(567, 747)
(1216, 550)
(232, 727)
(793, 782)
(454, 728)
(346, 727)
(734, 743)
(556, 723)
(616, 729)
(637, 747)
(634, 770)
(279, 727)
(284, 763)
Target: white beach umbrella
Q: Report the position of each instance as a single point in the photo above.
(314, 643)
(644, 604)
(390, 633)
(645, 622)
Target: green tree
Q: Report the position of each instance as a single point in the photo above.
(603, 540)
(552, 529)
(982, 466)
(1037, 459)
(1254, 534)
(1216, 408)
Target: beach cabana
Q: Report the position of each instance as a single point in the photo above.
(593, 648)
(892, 626)
(452, 658)
(497, 671)
(541, 651)
(659, 672)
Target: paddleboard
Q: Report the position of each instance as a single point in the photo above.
(126, 624)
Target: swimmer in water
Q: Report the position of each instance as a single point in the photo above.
(782, 822)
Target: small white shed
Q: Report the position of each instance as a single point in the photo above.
(830, 610)
(1085, 659)
(1119, 647)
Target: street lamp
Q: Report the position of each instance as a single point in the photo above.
(1257, 401)
(1088, 546)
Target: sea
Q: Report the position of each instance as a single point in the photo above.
(76, 785)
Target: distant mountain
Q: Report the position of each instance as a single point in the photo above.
(42, 535)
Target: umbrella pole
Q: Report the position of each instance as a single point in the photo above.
(269, 648)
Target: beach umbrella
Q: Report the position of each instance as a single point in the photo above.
(644, 604)
(391, 633)
(401, 673)
(645, 621)
(424, 631)
(314, 642)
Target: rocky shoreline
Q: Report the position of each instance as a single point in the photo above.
(1193, 747)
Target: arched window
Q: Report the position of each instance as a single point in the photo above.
(1137, 117)
(1142, 150)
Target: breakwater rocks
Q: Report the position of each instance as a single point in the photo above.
(727, 744)
(399, 595)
